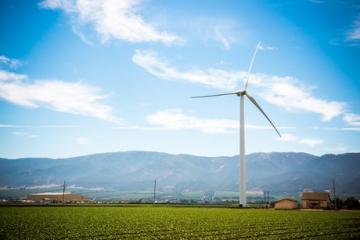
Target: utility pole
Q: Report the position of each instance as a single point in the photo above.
(334, 193)
(154, 191)
(264, 197)
(63, 196)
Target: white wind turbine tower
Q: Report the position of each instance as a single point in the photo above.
(241, 94)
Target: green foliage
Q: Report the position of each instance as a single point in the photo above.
(352, 203)
(162, 222)
(337, 203)
(349, 203)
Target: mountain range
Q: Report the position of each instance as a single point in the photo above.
(136, 170)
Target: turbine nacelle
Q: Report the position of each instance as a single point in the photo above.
(241, 93)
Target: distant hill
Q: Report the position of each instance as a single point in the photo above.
(129, 171)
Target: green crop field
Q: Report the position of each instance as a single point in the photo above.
(147, 222)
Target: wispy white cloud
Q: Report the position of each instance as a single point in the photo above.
(6, 126)
(288, 93)
(177, 119)
(8, 62)
(225, 32)
(82, 36)
(160, 68)
(10, 76)
(25, 134)
(144, 104)
(288, 137)
(310, 142)
(339, 148)
(112, 19)
(283, 91)
(82, 141)
(266, 48)
(43, 186)
(85, 188)
(223, 38)
(139, 127)
(38, 126)
(352, 119)
(354, 33)
(68, 97)
(355, 129)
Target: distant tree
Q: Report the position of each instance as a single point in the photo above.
(209, 195)
(337, 203)
(351, 203)
(217, 199)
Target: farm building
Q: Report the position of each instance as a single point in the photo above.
(315, 199)
(286, 203)
(57, 197)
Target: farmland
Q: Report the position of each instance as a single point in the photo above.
(163, 222)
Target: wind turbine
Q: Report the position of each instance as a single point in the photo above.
(242, 94)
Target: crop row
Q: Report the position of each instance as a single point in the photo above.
(173, 223)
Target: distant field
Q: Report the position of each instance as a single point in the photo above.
(137, 195)
(147, 222)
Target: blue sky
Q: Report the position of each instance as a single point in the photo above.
(81, 76)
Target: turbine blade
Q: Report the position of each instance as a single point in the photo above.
(216, 95)
(251, 65)
(262, 111)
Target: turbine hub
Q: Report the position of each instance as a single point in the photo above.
(242, 93)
